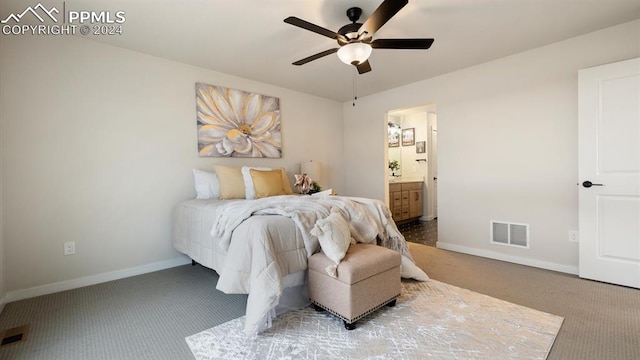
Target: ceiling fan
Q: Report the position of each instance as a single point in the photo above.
(355, 39)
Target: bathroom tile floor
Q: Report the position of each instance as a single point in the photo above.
(422, 232)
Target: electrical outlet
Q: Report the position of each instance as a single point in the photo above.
(69, 247)
(574, 236)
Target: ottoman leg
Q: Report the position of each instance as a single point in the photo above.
(392, 303)
(349, 326)
(317, 308)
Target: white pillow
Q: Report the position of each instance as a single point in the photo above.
(334, 237)
(249, 188)
(207, 184)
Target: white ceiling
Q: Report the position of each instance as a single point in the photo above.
(248, 38)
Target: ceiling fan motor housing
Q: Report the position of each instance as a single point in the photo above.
(354, 13)
(350, 31)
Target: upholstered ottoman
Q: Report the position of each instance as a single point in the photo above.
(367, 279)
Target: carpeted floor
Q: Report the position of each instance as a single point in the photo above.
(148, 316)
(602, 321)
(138, 318)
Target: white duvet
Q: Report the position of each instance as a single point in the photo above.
(254, 268)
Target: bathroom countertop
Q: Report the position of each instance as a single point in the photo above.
(400, 180)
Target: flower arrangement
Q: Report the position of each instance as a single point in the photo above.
(305, 185)
(394, 166)
(315, 188)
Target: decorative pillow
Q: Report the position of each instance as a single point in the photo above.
(285, 182)
(334, 237)
(249, 187)
(206, 184)
(267, 183)
(231, 182)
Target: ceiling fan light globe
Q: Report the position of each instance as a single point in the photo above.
(354, 53)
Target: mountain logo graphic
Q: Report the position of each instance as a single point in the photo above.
(34, 11)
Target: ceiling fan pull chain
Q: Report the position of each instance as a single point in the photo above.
(355, 97)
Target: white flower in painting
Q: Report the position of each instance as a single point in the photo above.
(237, 123)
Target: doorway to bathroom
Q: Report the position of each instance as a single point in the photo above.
(412, 150)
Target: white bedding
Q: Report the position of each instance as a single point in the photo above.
(259, 246)
(266, 255)
(192, 224)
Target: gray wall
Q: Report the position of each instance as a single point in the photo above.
(98, 146)
(507, 142)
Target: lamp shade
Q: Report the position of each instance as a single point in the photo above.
(354, 53)
(312, 169)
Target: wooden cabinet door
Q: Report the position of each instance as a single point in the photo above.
(397, 213)
(405, 200)
(396, 199)
(415, 203)
(405, 205)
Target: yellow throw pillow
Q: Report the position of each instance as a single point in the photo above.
(231, 183)
(286, 183)
(268, 183)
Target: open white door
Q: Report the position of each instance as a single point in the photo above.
(609, 173)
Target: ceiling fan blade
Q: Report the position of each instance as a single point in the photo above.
(364, 67)
(316, 56)
(402, 43)
(381, 15)
(313, 28)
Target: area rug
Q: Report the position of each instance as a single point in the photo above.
(431, 320)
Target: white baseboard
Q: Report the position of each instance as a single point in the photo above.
(93, 279)
(509, 258)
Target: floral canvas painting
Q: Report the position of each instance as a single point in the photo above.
(235, 123)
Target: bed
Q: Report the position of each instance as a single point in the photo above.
(260, 246)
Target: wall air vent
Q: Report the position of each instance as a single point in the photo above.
(508, 233)
(14, 335)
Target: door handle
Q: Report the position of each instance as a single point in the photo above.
(589, 184)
